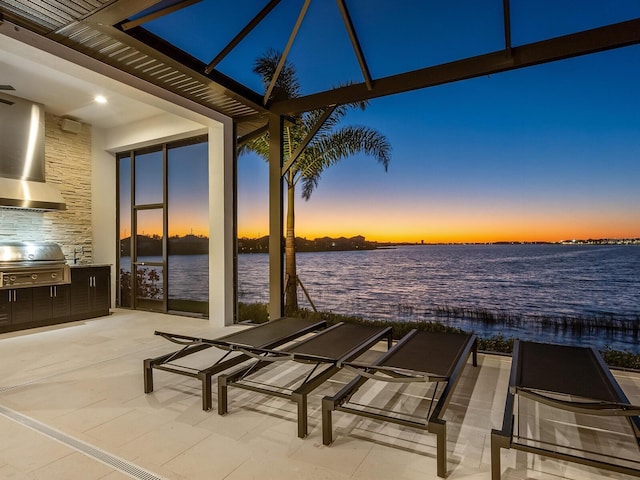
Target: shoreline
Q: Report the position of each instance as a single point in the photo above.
(495, 343)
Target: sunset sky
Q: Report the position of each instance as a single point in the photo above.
(546, 153)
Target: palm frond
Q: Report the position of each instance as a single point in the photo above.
(343, 143)
(331, 142)
(351, 140)
(287, 84)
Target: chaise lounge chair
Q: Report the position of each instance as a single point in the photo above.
(417, 357)
(573, 379)
(336, 344)
(268, 335)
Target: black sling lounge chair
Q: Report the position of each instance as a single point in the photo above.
(338, 343)
(574, 379)
(417, 357)
(267, 335)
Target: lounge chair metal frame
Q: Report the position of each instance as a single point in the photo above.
(620, 406)
(231, 343)
(313, 380)
(435, 423)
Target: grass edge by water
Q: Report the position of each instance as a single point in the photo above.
(258, 313)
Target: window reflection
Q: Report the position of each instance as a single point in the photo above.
(149, 177)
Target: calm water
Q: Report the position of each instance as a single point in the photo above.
(525, 281)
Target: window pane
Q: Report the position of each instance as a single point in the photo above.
(149, 287)
(148, 186)
(149, 277)
(188, 217)
(149, 233)
(253, 240)
(188, 190)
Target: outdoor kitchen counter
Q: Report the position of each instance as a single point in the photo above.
(87, 296)
(89, 265)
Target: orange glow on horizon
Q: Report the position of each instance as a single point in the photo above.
(415, 222)
(458, 236)
(188, 223)
(535, 228)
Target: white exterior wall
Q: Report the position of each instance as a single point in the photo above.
(159, 130)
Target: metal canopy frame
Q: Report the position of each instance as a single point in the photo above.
(511, 58)
(104, 30)
(92, 28)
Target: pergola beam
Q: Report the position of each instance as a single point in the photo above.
(355, 43)
(283, 58)
(241, 35)
(157, 14)
(327, 113)
(558, 48)
(506, 9)
(251, 135)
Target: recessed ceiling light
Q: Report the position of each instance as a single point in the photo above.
(100, 99)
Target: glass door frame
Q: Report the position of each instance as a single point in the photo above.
(164, 148)
(134, 209)
(135, 263)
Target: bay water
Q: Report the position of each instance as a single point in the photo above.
(518, 287)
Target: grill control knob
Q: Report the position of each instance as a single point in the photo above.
(12, 278)
(54, 275)
(34, 276)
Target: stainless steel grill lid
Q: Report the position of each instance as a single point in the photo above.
(31, 264)
(11, 252)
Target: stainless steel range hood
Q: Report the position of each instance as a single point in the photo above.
(22, 161)
(32, 195)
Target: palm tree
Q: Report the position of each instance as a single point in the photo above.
(330, 144)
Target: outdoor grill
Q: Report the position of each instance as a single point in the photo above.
(32, 264)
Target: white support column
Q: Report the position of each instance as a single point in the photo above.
(221, 241)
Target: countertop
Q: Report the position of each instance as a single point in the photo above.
(88, 265)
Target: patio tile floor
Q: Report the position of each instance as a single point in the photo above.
(72, 406)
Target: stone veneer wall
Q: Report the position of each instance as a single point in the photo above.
(68, 168)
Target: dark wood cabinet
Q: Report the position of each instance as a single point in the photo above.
(87, 296)
(90, 292)
(5, 308)
(51, 304)
(16, 307)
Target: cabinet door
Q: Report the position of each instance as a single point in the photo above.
(51, 304)
(101, 287)
(22, 306)
(60, 303)
(42, 303)
(5, 307)
(80, 293)
(90, 292)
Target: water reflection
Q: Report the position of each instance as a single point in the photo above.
(526, 282)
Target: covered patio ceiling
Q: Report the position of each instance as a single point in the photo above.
(204, 49)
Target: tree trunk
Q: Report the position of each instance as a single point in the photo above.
(291, 287)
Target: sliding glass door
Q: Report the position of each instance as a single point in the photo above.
(163, 224)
